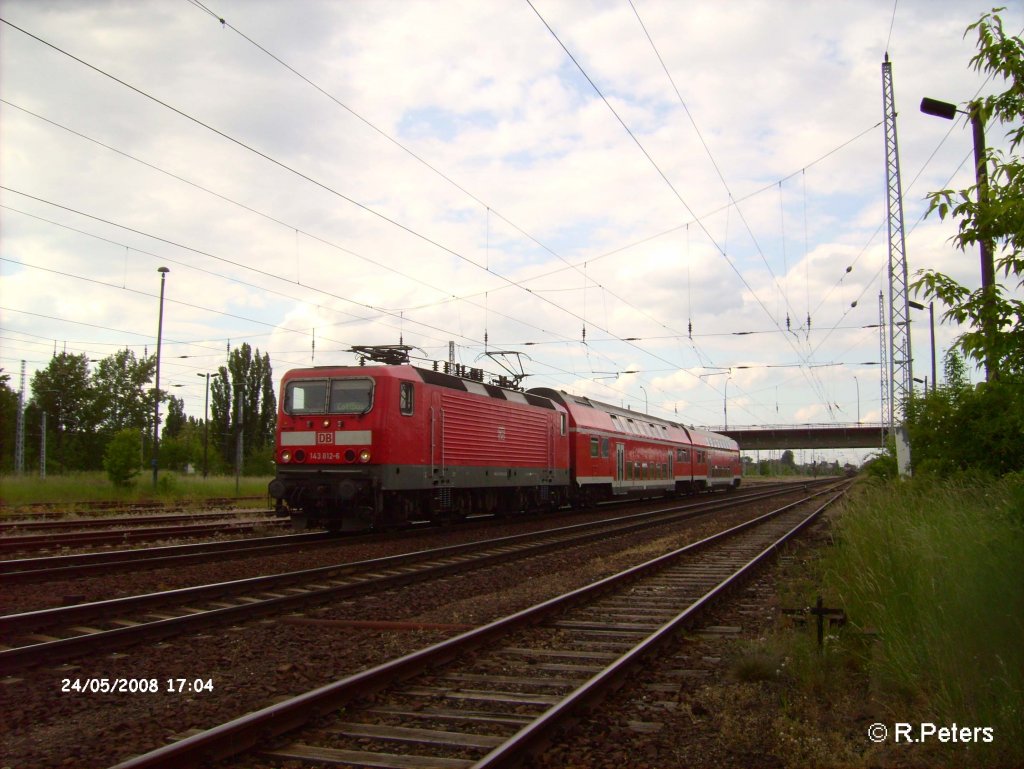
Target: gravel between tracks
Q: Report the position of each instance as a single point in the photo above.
(254, 664)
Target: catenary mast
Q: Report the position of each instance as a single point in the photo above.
(901, 378)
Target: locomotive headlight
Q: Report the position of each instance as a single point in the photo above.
(286, 456)
(364, 456)
(327, 423)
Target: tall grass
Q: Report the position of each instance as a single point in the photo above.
(937, 569)
(64, 491)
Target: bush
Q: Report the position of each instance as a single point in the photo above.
(121, 460)
(959, 428)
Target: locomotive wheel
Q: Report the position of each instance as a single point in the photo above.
(462, 506)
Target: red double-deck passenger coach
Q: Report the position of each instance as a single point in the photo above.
(616, 451)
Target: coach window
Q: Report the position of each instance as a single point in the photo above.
(308, 397)
(605, 446)
(595, 447)
(351, 396)
(405, 401)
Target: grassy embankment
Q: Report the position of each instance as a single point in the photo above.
(931, 576)
(936, 568)
(65, 491)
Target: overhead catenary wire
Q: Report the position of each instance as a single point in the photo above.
(489, 210)
(722, 252)
(418, 281)
(621, 323)
(298, 173)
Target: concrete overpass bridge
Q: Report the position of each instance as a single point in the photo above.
(859, 435)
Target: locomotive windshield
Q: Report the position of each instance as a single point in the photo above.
(347, 396)
(351, 396)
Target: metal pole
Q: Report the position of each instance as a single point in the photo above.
(725, 403)
(988, 273)
(42, 448)
(19, 435)
(206, 426)
(931, 324)
(988, 270)
(156, 389)
(238, 435)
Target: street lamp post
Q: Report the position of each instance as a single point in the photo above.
(988, 271)
(206, 426)
(725, 401)
(646, 407)
(931, 325)
(156, 408)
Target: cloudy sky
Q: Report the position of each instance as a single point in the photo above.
(646, 199)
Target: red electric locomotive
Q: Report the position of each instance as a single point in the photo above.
(617, 451)
(377, 446)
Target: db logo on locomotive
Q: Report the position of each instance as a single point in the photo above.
(323, 439)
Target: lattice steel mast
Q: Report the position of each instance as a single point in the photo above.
(19, 436)
(883, 359)
(901, 378)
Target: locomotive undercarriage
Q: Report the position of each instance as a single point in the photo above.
(381, 497)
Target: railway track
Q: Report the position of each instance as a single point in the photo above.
(493, 696)
(54, 635)
(125, 535)
(8, 526)
(45, 510)
(56, 567)
(47, 568)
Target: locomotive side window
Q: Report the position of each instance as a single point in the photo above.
(306, 397)
(405, 400)
(351, 396)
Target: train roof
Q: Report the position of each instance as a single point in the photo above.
(573, 402)
(429, 376)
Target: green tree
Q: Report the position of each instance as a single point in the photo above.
(121, 459)
(242, 398)
(994, 215)
(8, 422)
(123, 394)
(175, 417)
(63, 393)
(184, 447)
(957, 428)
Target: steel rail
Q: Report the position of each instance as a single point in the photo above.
(533, 736)
(246, 731)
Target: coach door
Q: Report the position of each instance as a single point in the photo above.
(620, 461)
